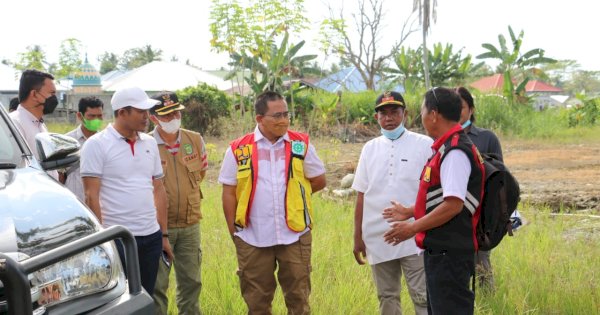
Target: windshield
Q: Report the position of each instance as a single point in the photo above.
(11, 155)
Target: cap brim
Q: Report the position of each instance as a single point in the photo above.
(147, 104)
(169, 109)
(390, 103)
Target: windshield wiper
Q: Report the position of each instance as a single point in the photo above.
(4, 166)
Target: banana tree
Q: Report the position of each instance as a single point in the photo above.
(268, 71)
(512, 60)
(446, 67)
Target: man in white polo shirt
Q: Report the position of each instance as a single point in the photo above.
(122, 180)
(388, 171)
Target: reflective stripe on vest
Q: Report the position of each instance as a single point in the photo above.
(430, 196)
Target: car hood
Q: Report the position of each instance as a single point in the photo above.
(38, 214)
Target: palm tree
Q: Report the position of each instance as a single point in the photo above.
(33, 58)
(427, 11)
(137, 57)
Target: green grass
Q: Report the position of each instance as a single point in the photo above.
(550, 266)
(543, 269)
(60, 127)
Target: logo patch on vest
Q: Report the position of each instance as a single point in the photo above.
(427, 174)
(242, 154)
(298, 147)
(188, 149)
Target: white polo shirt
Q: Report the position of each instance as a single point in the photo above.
(267, 225)
(126, 173)
(389, 170)
(29, 126)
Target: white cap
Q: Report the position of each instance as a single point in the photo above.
(132, 96)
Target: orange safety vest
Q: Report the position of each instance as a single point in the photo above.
(298, 212)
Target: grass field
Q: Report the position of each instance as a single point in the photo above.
(550, 266)
(544, 269)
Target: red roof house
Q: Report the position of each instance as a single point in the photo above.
(495, 82)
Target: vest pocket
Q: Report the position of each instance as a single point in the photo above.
(298, 205)
(194, 175)
(193, 213)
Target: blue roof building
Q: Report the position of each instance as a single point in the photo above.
(349, 79)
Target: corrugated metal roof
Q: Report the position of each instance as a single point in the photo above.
(349, 79)
(165, 75)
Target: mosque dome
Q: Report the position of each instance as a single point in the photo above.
(87, 75)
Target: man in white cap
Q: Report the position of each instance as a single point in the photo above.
(122, 179)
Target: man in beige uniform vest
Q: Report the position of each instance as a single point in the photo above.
(183, 158)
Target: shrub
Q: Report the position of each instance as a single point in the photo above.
(585, 115)
(203, 105)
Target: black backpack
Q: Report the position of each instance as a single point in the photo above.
(500, 198)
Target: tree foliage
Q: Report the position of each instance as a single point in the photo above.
(585, 115)
(108, 62)
(137, 57)
(364, 51)
(33, 58)
(250, 28)
(446, 66)
(583, 82)
(204, 104)
(512, 60)
(69, 58)
(248, 33)
(282, 62)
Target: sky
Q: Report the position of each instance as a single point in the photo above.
(564, 29)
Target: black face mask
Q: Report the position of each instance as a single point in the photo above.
(50, 104)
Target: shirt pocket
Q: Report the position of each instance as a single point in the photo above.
(409, 169)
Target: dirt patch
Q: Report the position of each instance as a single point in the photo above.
(563, 177)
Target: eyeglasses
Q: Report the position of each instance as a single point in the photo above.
(435, 96)
(278, 116)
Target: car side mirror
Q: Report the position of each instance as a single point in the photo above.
(56, 151)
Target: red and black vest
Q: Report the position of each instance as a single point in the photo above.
(458, 234)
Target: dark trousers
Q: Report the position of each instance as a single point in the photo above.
(149, 248)
(448, 279)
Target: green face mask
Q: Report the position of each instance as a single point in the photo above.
(92, 125)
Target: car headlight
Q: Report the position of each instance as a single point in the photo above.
(96, 269)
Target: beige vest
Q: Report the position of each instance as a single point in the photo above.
(182, 179)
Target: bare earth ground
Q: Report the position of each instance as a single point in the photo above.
(564, 177)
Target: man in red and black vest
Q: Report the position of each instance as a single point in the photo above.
(447, 208)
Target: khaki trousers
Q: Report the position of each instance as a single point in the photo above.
(387, 276)
(185, 243)
(256, 270)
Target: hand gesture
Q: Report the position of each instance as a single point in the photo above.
(400, 231)
(397, 212)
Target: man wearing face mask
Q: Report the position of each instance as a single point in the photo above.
(37, 94)
(90, 115)
(184, 161)
(388, 172)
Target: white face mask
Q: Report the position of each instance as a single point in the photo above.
(171, 126)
